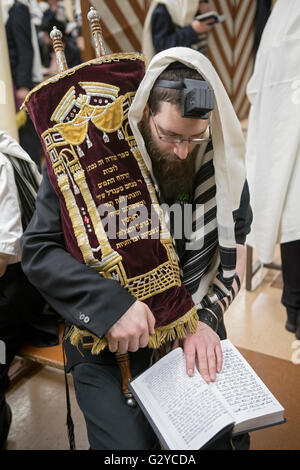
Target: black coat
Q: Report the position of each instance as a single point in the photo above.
(18, 33)
(166, 34)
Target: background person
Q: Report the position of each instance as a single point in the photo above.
(171, 23)
(25, 64)
(21, 305)
(273, 151)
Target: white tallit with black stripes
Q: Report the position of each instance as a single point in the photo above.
(210, 253)
(203, 250)
(27, 176)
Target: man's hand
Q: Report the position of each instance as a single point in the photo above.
(205, 348)
(4, 258)
(21, 93)
(201, 27)
(132, 330)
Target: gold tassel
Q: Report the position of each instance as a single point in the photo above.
(177, 329)
(21, 118)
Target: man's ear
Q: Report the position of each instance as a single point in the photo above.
(146, 112)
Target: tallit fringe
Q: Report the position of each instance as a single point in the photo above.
(177, 329)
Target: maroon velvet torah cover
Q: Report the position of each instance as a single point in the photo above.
(110, 215)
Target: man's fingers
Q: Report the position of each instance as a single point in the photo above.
(151, 322)
(122, 346)
(190, 355)
(211, 362)
(203, 363)
(205, 344)
(134, 343)
(113, 345)
(219, 356)
(144, 340)
(205, 366)
(132, 330)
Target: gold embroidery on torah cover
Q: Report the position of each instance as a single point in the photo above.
(111, 217)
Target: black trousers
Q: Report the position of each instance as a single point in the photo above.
(21, 318)
(290, 257)
(111, 423)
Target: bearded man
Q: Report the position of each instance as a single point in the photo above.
(193, 151)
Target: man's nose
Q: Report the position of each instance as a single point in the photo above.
(182, 150)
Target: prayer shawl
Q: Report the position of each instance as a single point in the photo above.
(26, 174)
(110, 214)
(273, 141)
(6, 6)
(210, 254)
(182, 13)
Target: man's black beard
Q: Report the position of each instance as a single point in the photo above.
(175, 177)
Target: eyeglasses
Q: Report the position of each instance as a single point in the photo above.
(174, 139)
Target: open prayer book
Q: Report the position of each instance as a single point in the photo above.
(213, 16)
(186, 413)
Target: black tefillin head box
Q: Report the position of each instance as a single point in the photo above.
(197, 99)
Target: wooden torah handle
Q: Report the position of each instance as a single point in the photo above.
(124, 364)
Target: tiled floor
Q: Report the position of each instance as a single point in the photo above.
(255, 323)
(39, 413)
